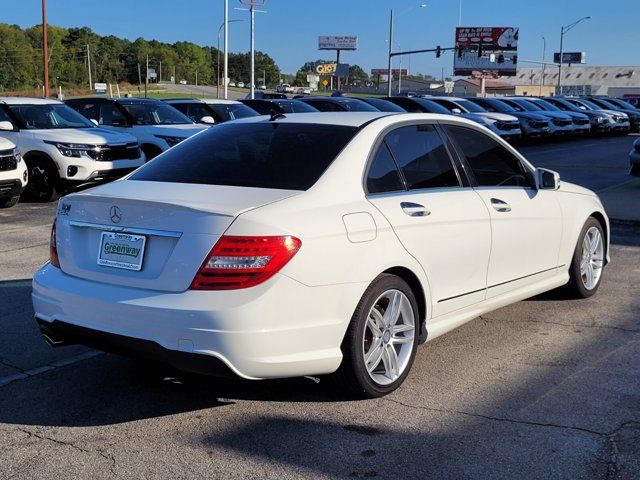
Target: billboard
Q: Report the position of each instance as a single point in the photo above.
(394, 71)
(333, 68)
(570, 57)
(332, 42)
(486, 49)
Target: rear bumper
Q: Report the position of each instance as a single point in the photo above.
(58, 334)
(281, 328)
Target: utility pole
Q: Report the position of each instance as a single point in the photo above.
(146, 78)
(226, 48)
(45, 52)
(196, 77)
(139, 79)
(89, 67)
(174, 74)
(160, 73)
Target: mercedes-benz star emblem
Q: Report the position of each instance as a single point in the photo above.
(115, 214)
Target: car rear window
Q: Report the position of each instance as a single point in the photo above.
(290, 156)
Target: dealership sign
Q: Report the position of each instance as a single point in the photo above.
(570, 57)
(100, 87)
(327, 42)
(486, 49)
(341, 70)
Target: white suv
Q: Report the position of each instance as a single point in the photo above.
(157, 125)
(63, 149)
(13, 173)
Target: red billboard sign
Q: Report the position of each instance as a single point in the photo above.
(486, 49)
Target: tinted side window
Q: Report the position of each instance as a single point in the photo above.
(110, 114)
(383, 175)
(4, 117)
(422, 157)
(195, 111)
(326, 106)
(88, 110)
(491, 163)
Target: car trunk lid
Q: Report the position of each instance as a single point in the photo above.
(179, 223)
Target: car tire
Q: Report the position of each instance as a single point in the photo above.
(43, 180)
(589, 257)
(9, 202)
(374, 378)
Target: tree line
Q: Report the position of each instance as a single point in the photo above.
(113, 59)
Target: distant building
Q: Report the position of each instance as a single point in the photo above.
(471, 87)
(581, 80)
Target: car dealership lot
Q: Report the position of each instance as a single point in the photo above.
(546, 388)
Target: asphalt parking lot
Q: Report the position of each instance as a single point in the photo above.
(545, 388)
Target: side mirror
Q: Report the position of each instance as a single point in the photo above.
(95, 122)
(547, 179)
(208, 120)
(456, 111)
(6, 125)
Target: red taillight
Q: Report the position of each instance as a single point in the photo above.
(53, 249)
(241, 262)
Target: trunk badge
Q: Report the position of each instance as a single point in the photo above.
(115, 214)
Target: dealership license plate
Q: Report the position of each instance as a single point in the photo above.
(121, 250)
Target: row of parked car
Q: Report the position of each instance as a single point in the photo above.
(48, 147)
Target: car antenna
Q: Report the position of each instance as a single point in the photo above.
(276, 116)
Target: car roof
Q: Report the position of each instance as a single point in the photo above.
(347, 119)
(330, 99)
(133, 101)
(210, 101)
(29, 101)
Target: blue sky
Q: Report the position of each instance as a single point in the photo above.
(289, 29)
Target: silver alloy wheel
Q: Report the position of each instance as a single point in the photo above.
(592, 258)
(388, 337)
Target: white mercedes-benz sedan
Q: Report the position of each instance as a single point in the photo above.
(324, 243)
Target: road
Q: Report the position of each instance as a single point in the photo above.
(545, 388)
(595, 163)
(203, 91)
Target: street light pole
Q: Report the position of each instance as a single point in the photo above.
(222, 25)
(45, 52)
(564, 30)
(252, 87)
(389, 76)
(544, 51)
(226, 48)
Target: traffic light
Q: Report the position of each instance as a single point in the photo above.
(479, 50)
(500, 58)
(459, 51)
(514, 59)
(438, 51)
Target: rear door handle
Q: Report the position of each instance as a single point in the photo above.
(414, 209)
(500, 205)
